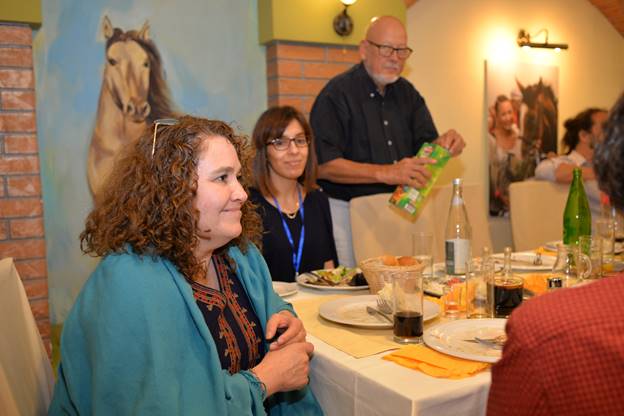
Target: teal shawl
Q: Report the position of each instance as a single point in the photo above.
(135, 342)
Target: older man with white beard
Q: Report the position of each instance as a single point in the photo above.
(369, 122)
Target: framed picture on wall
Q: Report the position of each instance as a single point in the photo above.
(522, 111)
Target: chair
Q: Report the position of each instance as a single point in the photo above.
(26, 378)
(536, 212)
(377, 229)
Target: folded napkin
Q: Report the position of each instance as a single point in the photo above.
(356, 342)
(420, 357)
(536, 282)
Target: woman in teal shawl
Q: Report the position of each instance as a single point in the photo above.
(180, 316)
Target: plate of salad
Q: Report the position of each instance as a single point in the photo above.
(339, 278)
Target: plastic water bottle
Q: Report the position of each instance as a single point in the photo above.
(458, 233)
(577, 216)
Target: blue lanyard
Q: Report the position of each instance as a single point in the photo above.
(296, 258)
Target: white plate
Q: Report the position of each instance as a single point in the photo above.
(552, 246)
(352, 311)
(449, 338)
(302, 279)
(523, 260)
(285, 289)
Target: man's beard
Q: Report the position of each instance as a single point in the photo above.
(384, 79)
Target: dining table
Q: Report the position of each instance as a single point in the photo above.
(346, 385)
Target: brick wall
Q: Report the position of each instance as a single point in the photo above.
(21, 207)
(296, 72)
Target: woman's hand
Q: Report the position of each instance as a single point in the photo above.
(291, 329)
(286, 368)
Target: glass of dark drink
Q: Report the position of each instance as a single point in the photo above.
(407, 294)
(507, 295)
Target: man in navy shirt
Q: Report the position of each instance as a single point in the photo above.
(369, 122)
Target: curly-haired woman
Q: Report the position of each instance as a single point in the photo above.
(177, 317)
(295, 213)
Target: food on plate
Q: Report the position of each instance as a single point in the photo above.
(340, 276)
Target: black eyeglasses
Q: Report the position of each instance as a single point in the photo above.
(161, 122)
(386, 50)
(283, 143)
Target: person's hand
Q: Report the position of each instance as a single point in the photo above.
(451, 141)
(285, 369)
(291, 329)
(409, 171)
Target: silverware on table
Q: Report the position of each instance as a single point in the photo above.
(496, 343)
(384, 306)
(373, 311)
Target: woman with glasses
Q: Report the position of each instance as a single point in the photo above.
(297, 223)
(179, 317)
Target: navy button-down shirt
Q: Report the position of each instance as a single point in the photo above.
(351, 120)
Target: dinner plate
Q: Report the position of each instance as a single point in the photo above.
(521, 261)
(285, 289)
(352, 311)
(302, 279)
(450, 338)
(552, 246)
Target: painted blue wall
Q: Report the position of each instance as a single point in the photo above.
(214, 66)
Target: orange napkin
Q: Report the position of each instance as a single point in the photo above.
(420, 357)
(536, 282)
(544, 252)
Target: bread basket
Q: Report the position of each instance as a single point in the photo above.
(377, 273)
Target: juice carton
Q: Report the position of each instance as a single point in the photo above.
(408, 199)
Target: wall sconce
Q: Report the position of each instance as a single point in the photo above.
(524, 41)
(343, 24)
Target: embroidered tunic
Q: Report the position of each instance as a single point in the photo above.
(231, 320)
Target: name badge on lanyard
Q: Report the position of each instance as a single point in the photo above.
(297, 251)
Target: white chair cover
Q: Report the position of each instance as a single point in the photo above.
(26, 378)
(377, 229)
(536, 212)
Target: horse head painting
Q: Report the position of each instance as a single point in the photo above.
(539, 124)
(132, 95)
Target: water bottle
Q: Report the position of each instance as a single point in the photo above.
(577, 216)
(458, 233)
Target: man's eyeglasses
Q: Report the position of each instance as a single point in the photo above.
(386, 50)
(283, 143)
(161, 122)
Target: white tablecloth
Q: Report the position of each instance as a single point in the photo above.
(371, 386)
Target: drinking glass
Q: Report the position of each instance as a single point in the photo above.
(571, 265)
(454, 296)
(422, 250)
(407, 308)
(479, 295)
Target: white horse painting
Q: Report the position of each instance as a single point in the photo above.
(133, 94)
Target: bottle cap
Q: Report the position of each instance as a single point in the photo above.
(457, 181)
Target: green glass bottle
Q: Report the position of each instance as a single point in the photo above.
(577, 216)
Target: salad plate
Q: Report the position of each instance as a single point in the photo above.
(338, 279)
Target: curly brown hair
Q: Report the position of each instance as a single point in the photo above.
(148, 202)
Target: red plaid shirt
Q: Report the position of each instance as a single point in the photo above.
(564, 354)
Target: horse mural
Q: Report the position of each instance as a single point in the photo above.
(132, 95)
(540, 119)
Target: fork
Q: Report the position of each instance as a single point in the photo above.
(384, 306)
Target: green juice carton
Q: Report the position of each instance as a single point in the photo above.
(409, 200)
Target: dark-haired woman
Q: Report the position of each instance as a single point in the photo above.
(176, 318)
(583, 133)
(297, 223)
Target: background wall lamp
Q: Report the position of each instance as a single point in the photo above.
(524, 40)
(343, 24)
